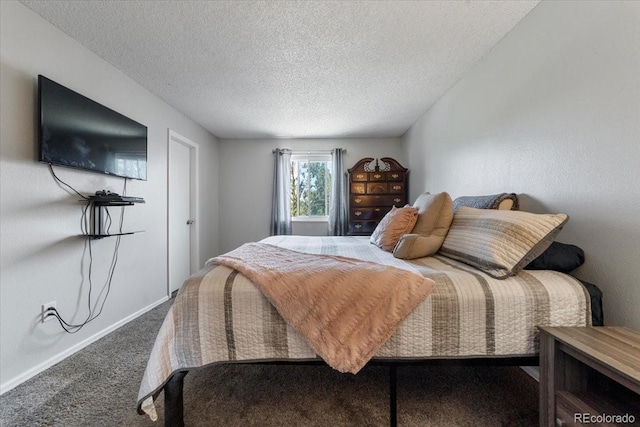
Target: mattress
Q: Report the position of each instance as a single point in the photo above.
(219, 316)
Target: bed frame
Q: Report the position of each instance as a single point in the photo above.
(174, 395)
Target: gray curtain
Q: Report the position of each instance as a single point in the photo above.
(338, 210)
(281, 210)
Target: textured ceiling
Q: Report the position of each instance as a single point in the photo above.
(291, 69)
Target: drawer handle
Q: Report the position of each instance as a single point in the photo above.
(376, 176)
(377, 209)
(357, 200)
(397, 200)
(397, 187)
(357, 213)
(360, 176)
(394, 175)
(358, 226)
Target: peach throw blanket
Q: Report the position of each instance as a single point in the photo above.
(344, 308)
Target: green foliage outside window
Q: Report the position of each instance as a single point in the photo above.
(310, 188)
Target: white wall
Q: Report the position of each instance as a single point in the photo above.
(42, 257)
(246, 181)
(552, 113)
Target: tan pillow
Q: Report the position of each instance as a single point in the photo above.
(435, 213)
(506, 204)
(411, 246)
(500, 242)
(395, 223)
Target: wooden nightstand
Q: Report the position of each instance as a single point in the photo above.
(589, 376)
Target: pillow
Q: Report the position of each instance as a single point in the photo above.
(435, 213)
(396, 222)
(506, 201)
(558, 257)
(498, 242)
(412, 246)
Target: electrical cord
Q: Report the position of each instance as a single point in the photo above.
(64, 183)
(92, 315)
(109, 219)
(83, 219)
(73, 328)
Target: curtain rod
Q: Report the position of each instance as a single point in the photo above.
(275, 150)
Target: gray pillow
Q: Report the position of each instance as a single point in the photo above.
(495, 201)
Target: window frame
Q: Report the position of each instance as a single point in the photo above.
(314, 156)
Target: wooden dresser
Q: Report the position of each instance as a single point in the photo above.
(375, 185)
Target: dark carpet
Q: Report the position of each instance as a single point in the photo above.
(98, 386)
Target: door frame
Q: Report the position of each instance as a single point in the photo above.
(194, 204)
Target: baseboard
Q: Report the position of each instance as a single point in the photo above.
(14, 382)
(533, 371)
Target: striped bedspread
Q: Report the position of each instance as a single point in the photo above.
(219, 316)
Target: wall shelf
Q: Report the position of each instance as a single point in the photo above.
(99, 216)
(102, 236)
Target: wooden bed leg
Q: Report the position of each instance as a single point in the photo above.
(173, 401)
(393, 398)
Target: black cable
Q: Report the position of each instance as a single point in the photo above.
(64, 183)
(73, 328)
(109, 218)
(83, 218)
(114, 262)
(84, 228)
(88, 319)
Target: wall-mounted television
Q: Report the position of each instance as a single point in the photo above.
(80, 133)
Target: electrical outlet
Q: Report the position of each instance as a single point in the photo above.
(46, 314)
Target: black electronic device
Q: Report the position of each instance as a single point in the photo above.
(114, 199)
(76, 132)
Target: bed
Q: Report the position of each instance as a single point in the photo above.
(219, 316)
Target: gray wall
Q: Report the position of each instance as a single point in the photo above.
(552, 113)
(246, 181)
(42, 259)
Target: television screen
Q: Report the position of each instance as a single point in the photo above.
(80, 133)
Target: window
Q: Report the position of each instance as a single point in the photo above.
(128, 164)
(310, 186)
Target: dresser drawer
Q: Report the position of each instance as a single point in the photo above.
(359, 176)
(368, 213)
(358, 187)
(377, 176)
(396, 187)
(371, 200)
(395, 176)
(377, 187)
(362, 227)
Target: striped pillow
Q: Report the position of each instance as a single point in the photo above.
(498, 242)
